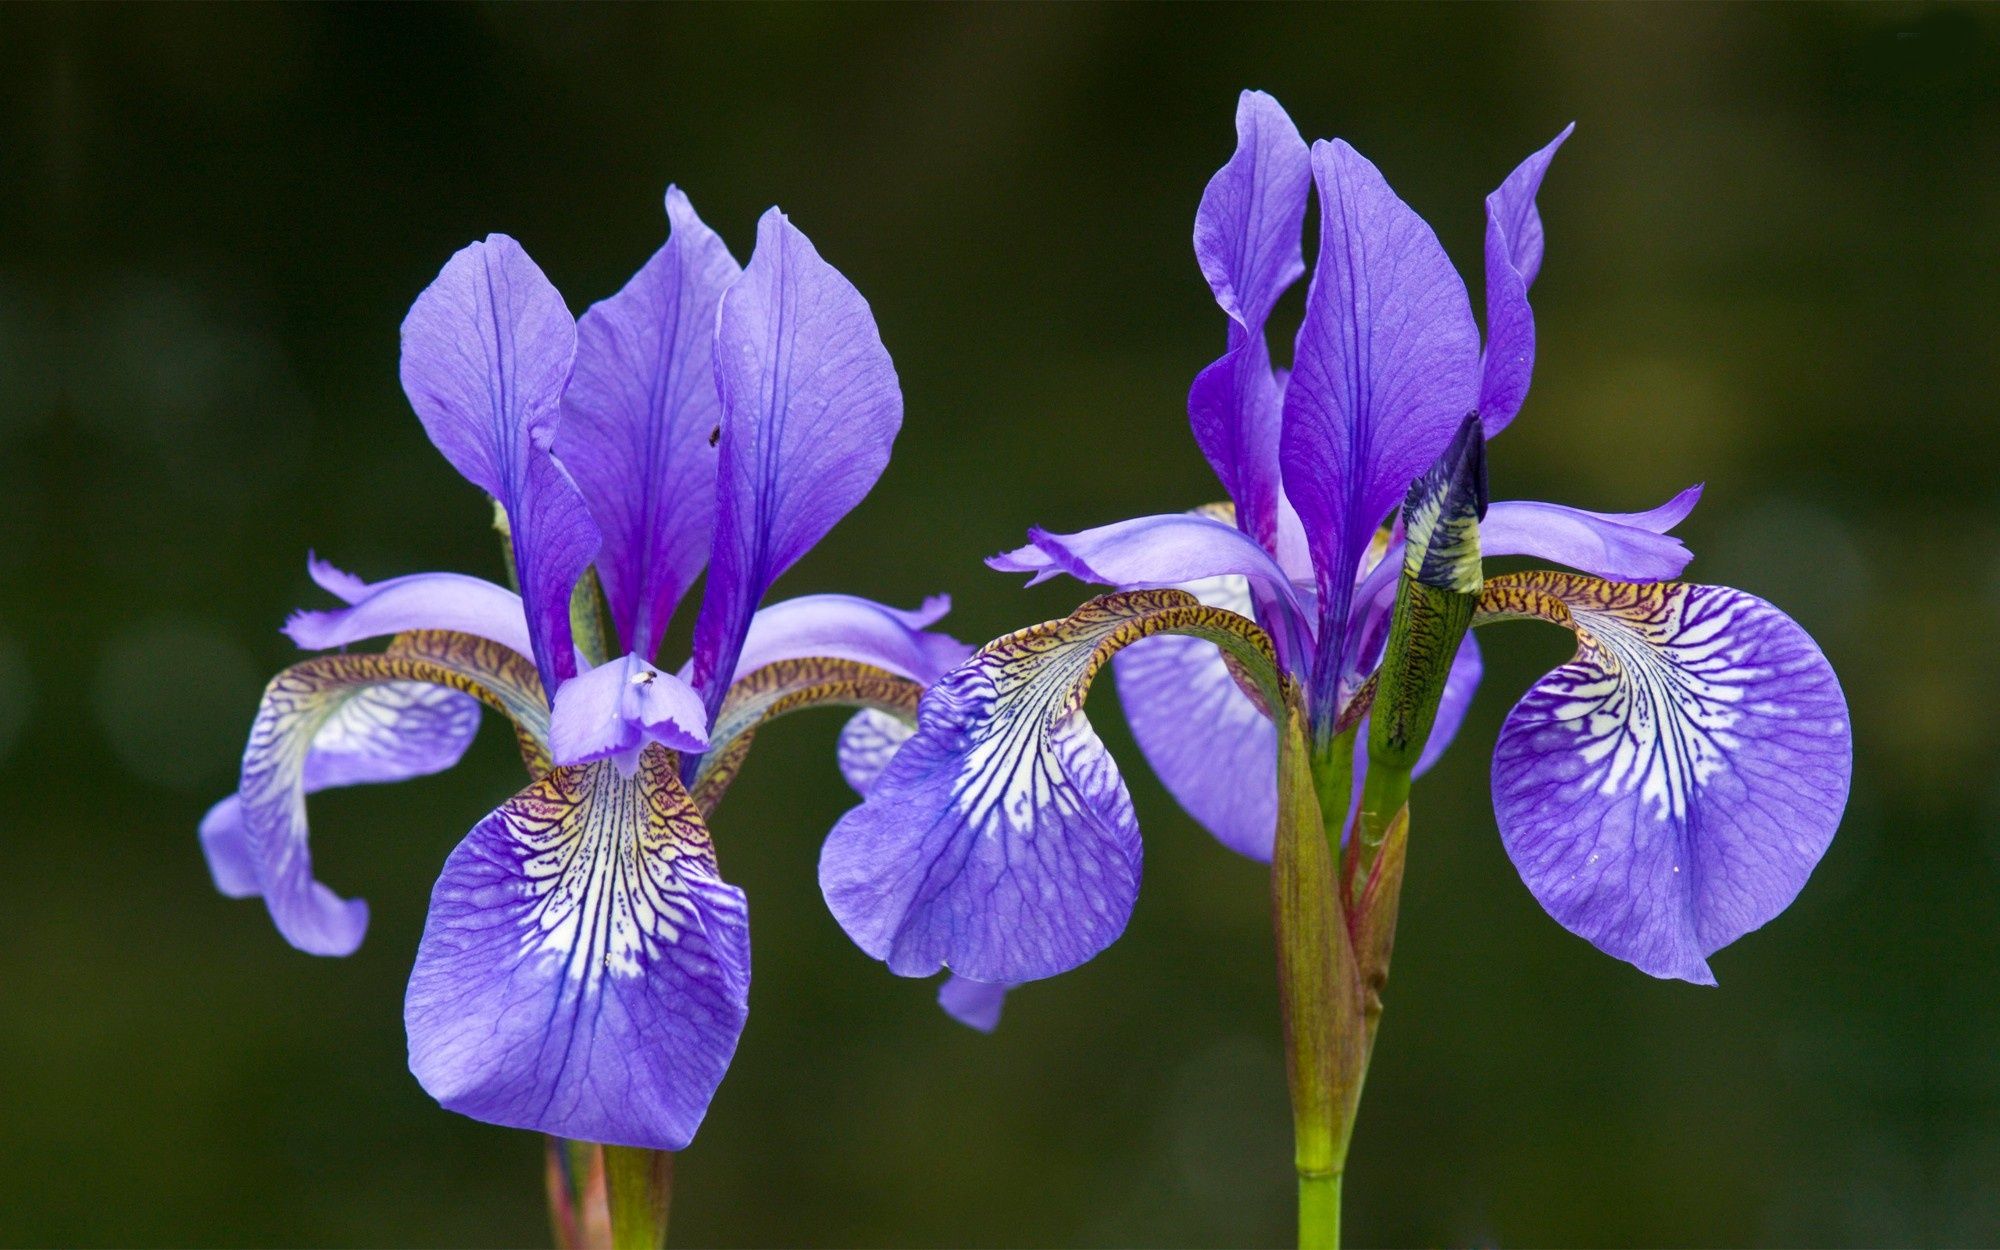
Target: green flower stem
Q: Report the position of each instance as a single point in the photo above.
(1319, 981)
(640, 1185)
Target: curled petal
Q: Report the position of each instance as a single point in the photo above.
(1247, 240)
(847, 627)
(1672, 786)
(974, 1004)
(867, 743)
(776, 689)
(380, 733)
(1215, 752)
(584, 970)
(810, 406)
(1000, 840)
(487, 350)
(420, 601)
(1601, 544)
(380, 719)
(1158, 551)
(636, 423)
(1513, 258)
(616, 709)
(1385, 372)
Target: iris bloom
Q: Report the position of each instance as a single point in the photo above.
(1664, 792)
(585, 968)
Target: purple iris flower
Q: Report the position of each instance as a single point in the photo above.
(1666, 791)
(585, 968)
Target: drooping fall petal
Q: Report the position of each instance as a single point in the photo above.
(1000, 840)
(1671, 787)
(584, 971)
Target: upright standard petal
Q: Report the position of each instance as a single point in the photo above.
(390, 732)
(637, 421)
(848, 627)
(584, 971)
(1000, 840)
(419, 601)
(1247, 241)
(810, 406)
(1207, 742)
(379, 719)
(615, 710)
(1670, 788)
(487, 350)
(1513, 258)
(1385, 372)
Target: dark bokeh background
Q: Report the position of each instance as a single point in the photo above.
(1771, 266)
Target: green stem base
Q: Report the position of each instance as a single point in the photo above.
(1319, 1211)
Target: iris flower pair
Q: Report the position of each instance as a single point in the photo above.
(585, 968)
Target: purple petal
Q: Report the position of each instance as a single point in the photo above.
(343, 586)
(449, 601)
(1156, 551)
(636, 423)
(1385, 372)
(1000, 840)
(868, 742)
(383, 733)
(1247, 241)
(1206, 741)
(584, 971)
(487, 350)
(324, 724)
(1513, 258)
(1670, 788)
(810, 407)
(1593, 542)
(973, 1003)
(616, 709)
(847, 627)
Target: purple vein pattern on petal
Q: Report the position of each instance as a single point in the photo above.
(584, 970)
(1385, 372)
(1000, 840)
(810, 408)
(1247, 241)
(1602, 544)
(1670, 788)
(848, 627)
(314, 730)
(1206, 741)
(383, 733)
(636, 423)
(450, 601)
(487, 350)
(1513, 258)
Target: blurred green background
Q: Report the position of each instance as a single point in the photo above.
(1772, 266)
